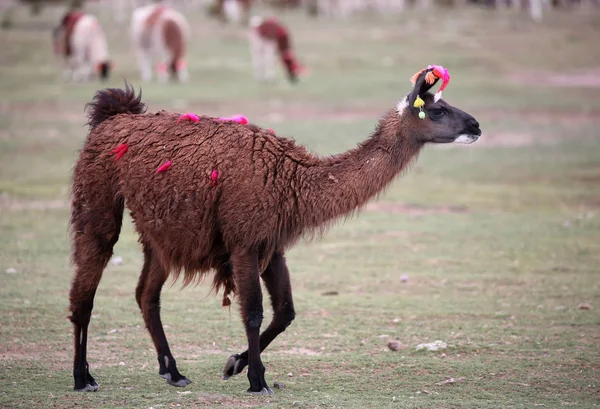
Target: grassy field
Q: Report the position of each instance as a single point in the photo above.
(499, 242)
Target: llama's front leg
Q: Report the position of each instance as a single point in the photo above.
(247, 282)
(148, 290)
(277, 280)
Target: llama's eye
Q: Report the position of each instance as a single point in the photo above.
(437, 113)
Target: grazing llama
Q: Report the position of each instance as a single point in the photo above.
(269, 39)
(213, 194)
(160, 33)
(80, 41)
(233, 11)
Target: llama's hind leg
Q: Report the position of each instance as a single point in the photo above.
(148, 290)
(93, 241)
(82, 293)
(277, 281)
(247, 283)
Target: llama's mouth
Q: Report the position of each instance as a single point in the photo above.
(466, 138)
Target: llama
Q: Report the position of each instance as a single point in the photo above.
(233, 11)
(158, 31)
(219, 194)
(269, 37)
(80, 41)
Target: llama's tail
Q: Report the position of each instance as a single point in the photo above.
(113, 101)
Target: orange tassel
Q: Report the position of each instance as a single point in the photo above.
(413, 79)
(430, 77)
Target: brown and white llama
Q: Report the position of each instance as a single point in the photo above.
(270, 39)
(80, 41)
(207, 194)
(160, 33)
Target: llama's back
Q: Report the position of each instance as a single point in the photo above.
(193, 188)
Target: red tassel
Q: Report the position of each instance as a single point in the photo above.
(164, 167)
(272, 130)
(213, 177)
(120, 150)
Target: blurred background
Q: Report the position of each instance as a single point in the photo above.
(492, 248)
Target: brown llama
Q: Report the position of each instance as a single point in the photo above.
(210, 194)
(268, 38)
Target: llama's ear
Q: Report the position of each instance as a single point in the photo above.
(423, 81)
(419, 81)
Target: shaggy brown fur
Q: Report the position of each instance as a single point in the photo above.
(268, 193)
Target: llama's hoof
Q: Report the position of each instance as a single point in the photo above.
(264, 392)
(234, 365)
(182, 382)
(90, 387)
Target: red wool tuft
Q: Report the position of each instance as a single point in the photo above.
(213, 177)
(120, 150)
(164, 167)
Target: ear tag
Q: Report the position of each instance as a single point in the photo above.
(418, 102)
(422, 115)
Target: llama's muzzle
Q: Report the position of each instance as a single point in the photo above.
(467, 138)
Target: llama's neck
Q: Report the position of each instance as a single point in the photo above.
(344, 183)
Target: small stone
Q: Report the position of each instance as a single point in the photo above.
(560, 308)
(395, 345)
(112, 331)
(11, 270)
(584, 306)
(278, 385)
(121, 363)
(432, 346)
(116, 260)
(396, 320)
(404, 278)
(290, 374)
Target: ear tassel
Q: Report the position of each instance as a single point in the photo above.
(434, 73)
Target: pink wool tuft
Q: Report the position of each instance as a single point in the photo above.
(240, 119)
(190, 116)
(443, 74)
(271, 130)
(163, 167)
(120, 150)
(213, 177)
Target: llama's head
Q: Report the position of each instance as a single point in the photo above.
(430, 118)
(103, 70)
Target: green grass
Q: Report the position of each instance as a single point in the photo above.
(500, 240)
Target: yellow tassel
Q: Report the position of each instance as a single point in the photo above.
(418, 102)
